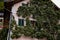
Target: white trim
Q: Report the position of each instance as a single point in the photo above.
(1, 18)
(32, 19)
(56, 2)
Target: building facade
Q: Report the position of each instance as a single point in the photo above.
(19, 19)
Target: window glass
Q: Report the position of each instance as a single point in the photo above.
(21, 22)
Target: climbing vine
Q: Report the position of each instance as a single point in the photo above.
(47, 18)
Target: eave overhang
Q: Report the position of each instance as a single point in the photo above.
(56, 2)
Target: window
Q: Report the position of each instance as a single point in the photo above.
(33, 23)
(1, 22)
(33, 20)
(21, 22)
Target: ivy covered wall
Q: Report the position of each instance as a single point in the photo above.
(47, 17)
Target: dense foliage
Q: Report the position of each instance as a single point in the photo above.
(1, 0)
(1, 6)
(4, 31)
(3, 34)
(47, 17)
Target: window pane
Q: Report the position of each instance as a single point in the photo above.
(21, 22)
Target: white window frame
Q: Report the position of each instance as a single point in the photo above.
(22, 18)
